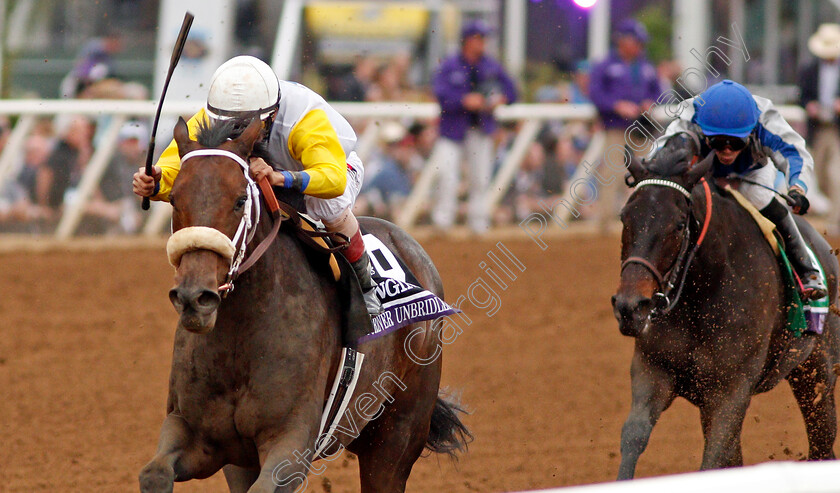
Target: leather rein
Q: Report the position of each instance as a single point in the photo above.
(671, 284)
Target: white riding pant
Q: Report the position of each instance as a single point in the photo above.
(477, 148)
(327, 210)
(760, 197)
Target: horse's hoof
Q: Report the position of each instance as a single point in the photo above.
(155, 478)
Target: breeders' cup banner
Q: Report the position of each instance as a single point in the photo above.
(404, 302)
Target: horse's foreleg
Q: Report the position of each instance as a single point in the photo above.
(178, 458)
(286, 463)
(653, 392)
(723, 418)
(239, 479)
(813, 386)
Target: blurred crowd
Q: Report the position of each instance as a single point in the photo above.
(40, 183)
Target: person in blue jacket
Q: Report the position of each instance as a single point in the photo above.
(748, 135)
(469, 85)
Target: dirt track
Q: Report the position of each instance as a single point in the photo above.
(85, 347)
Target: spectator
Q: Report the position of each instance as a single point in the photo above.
(114, 201)
(573, 87)
(392, 81)
(469, 86)
(819, 85)
(391, 183)
(17, 198)
(669, 73)
(65, 164)
(94, 63)
(577, 91)
(527, 184)
(423, 136)
(622, 87)
(387, 85)
(351, 84)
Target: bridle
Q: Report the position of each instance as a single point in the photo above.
(670, 284)
(233, 250)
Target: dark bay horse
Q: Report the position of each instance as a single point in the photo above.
(251, 372)
(724, 339)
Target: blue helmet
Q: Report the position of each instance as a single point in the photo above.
(727, 108)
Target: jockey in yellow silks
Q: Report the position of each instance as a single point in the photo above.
(310, 148)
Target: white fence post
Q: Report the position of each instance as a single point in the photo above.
(90, 179)
(11, 157)
(499, 186)
(414, 203)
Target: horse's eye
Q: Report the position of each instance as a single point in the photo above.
(680, 226)
(240, 202)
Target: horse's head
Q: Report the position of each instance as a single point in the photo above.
(656, 230)
(211, 201)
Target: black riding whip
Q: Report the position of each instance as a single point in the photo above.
(176, 55)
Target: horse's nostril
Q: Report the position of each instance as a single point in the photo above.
(175, 298)
(204, 300)
(631, 306)
(208, 299)
(613, 300)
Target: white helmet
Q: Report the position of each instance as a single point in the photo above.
(241, 87)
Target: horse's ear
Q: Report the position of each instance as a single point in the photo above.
(699, 170)
(245, 142)
(182, 137)
(636, 168)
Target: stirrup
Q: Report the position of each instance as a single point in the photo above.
(813, 288)
(372, 302)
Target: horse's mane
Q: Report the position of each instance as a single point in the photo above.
(673, 157)
(212, 134)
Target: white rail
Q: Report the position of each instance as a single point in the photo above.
(530, 115)
(771, 477)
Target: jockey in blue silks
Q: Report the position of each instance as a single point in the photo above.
(748, 135)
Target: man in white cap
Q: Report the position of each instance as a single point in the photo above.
(308, 147)
(819, 85)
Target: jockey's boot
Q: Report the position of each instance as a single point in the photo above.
(808, 270)
(362, 269)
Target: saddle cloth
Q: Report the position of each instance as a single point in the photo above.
(801, 315)
(404, 302)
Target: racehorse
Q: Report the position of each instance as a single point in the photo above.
(713, 329)
(251, 372)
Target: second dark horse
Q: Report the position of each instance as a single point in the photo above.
(725, 340)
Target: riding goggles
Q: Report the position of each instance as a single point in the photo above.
(721, 142)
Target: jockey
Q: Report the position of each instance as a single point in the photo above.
(307, 146)
(748, 134)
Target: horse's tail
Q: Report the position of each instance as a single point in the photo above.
(447, 434)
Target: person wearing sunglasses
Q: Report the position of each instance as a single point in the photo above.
(750, 138)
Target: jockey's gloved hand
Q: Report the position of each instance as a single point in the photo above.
(800, 203)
